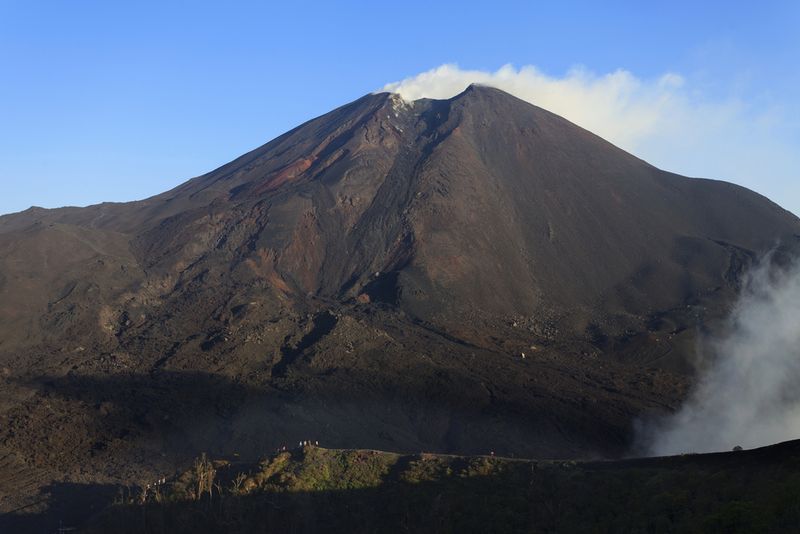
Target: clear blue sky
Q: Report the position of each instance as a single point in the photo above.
(121, 100)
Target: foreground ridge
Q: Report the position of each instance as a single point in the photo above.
(312, 489)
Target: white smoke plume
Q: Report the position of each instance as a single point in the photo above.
(750, 394)
(666, 120)
(617, 106)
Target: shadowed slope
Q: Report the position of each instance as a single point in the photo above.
(312, 489)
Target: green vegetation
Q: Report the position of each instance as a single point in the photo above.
(315, 489)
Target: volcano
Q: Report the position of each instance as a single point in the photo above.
(460, 276)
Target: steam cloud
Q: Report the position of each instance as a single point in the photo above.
(617, 106)
(664, 120)
(750, 395)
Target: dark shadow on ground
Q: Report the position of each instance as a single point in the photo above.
(67, 505)
(180, 413)
(137, 427)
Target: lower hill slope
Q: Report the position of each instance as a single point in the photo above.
(313, 489)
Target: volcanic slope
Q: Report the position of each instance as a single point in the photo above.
(371, 278)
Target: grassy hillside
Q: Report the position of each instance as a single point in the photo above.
(314, 489)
